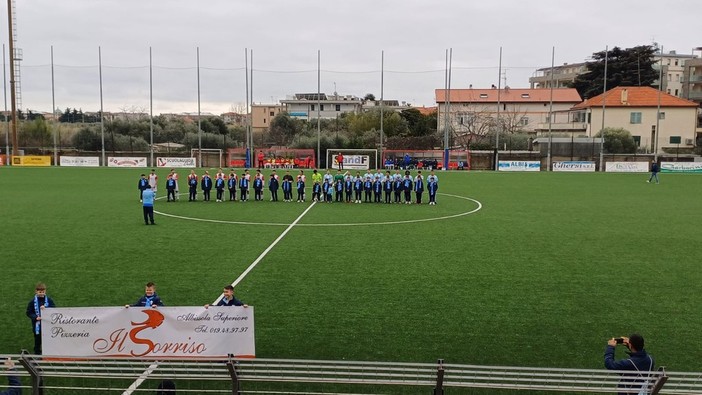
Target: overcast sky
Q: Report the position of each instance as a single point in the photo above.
(286, 35)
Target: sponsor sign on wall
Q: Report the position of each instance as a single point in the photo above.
(2, 160)
(188, 332)
(581, 166)
(354, 162)
(519, 165)
(31, 160)
(79, 161)
(626, 167)
(681, 167)
(126, 161)
(176, 162)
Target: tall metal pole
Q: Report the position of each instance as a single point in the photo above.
(199, 124)
(102, 112)
(319, 111)
(13, 93)
(151, 108)
(499, 122)
(448, 110)
(604, 107)
(53, 109)
(550, 111)
(382, 104)
(7, 118)
(247, 161)
(658, 109)
(251, 131)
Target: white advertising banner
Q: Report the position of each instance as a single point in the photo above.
(626, 167)
(176, 162)
(681, 167)
(80, 161)
(353, 162)
(187, 332)
(519, 165)
(126, 161)
(574, 166)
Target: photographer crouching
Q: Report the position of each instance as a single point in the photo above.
(639, 361)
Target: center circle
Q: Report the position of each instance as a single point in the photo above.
(409, 221)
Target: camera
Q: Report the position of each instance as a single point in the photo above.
(619, 340)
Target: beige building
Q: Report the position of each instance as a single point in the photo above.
(561, 76)
(474, 111)
(308, 105)
(263, 114)
(635, 109)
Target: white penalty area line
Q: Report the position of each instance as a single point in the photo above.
(266, 251)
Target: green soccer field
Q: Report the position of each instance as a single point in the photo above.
(550, 267)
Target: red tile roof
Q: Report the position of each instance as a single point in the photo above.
(541, 95)
(425, 110)
(635, 96)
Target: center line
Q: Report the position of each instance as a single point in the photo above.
(265, 252)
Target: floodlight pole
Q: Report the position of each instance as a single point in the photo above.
(102, 111)
(199, 123)
(7, 119)
(499, 123)
(382, 102)
(53, 108)
(550, 112)
(319, 111)
(604, 107)
(151, 107)
(658, 108)
(13, 94)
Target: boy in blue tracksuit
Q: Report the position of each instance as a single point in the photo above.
(150, 299)
(300, 189)
(387, 188)
(419, 187)
(316, 191)
(397, 188)
(287, 187)
(206, 186)
(231, 185)
(329, 192)
(143, 182)
(35, 308)
(377, 190)
(339, 188)
(244, 188)
(148, 205)
(258, 188)
(219, 186)
(192, 185)
(432, 187)
(407, 187)
(357, 188)
(348, 188)
(170, 189)
(368, 189)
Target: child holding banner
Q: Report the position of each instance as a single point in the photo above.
(150, 299)
(34, 310)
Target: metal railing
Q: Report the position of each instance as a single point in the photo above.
(229, 376)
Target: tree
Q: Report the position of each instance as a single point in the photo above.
(369, 97)
(419, 124)
(283, 128)
(625, 67)
(618, 141)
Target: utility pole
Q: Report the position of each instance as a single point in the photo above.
(13, 98)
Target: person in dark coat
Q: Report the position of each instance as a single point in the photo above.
(14, 386)
(639, 361)
(143, 182)
(655, 168)
(150, 298)
(35, 307)
(206, 186)
(273, 185)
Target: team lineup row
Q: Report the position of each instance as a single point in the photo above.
(376, 187)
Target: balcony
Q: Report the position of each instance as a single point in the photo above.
(696, 96)
(564, 126)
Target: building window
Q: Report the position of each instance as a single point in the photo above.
(637, 140)
(523, 121)
(661, 115)
(670, 77)
(311, 107)
(677, 77)
(635, 117)
(676, 91)
(321, 107)
(337, 107)
(668, 90)
(264, 120)
(676, 62)
(272, 113)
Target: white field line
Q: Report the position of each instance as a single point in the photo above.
(266, 251)
(141, 379)
(153, 366)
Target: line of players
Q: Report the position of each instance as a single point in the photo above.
(376, 187)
